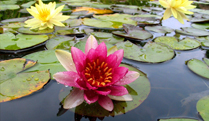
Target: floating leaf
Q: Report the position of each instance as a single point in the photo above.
(11, 42)
(199, 67)
(185, 44)
(15, 84)
(14, 25)
(146, 20)
(139, 90)
(201, 25)
(179, 119)
(69, 31)
(192, 31)
(73, 22)
(99, 23)
(9, 7)
(203, 107)
(46, 60)
(151, 52)
(28, 4)
(36, 31)
(133, 33)
(107, 37)
(54, 42)
(204, 41)
(93, 10)
(14, 20)
(159, 29)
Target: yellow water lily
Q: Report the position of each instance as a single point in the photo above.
(45, 16)
(178, 8)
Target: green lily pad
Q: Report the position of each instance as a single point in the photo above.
(179, 119)
(133, 33)
(139, 90)
(146, 20)
(46, 60)
(192, 31)
(99, 23)
(14, 20)
(15, 84)
(9, 7)
(201, 25)
(56, 41)
(199, 67)
(151, 52)
(185, 44)
(203, 107)
(28, 4)
(34, 32)
(159, 29)
(199, 20)
(14, 25)
(107, 37)
(73, 22)
(69, 31)
(202, 11)
(204, 41)
(11, 42)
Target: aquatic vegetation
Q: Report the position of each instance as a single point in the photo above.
(94, 75)
(45, 15)
(177, 8)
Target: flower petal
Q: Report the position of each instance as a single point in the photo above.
(126, 97)
(74, 99)
(78, 58)
(91, 43)
(106, 102)
(117, 90)
(119, 55)
(174, 12)
(121, 71)
(66, 60)
(128, 78)
(90, 96)
(101, 51)
(67, 78)
(167, 13)
(103, 91)
(111, 60)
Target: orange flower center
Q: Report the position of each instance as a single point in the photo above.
(98, 73)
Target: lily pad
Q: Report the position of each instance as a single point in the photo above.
(107, 37)
(69, 31)
(201, 25)
(203, 107)
(54, 42)
(204, 41)
(139, 90)
(179, 119)
(15, 84)
(133, 33)
(93, 10)
(146, 20)
(159, 29)
(28, 4)
(100, 23)
(151, 52)
(192, 31)
(14, 20)
(185, 44)
(199, 67)
(29, 31)
(11, 42)
(73, 22)
(46, 60)
(15, 25)
(9, 7)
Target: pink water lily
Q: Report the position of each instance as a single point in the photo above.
(95, 75)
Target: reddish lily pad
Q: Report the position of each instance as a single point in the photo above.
(133, 33)
(151, 52)
(199, 67)
(203, 107)
(185, 44)
(11, 42)
(15, 84)
(139, 90)
(192, 31)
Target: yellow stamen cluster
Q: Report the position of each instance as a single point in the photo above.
(98, 73)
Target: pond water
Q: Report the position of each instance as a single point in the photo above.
(175, 91)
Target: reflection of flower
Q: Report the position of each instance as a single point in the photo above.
(178, 8)
(45, 15)
(95, 75)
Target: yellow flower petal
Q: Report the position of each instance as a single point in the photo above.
(179, 18)
(167, 13)
(174, 12)
(55, 22)
(164, 3)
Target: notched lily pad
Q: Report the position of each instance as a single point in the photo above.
(151, 52)
(185, 44)
(139, 90)
(15, 84)
(34, 32)
(159, 29)
(10, 42)
(203, 107)
(133, 33)
(192, 31)
(199, 67)
(204, 41)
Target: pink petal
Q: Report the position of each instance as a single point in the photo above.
(66, 60)
(90, 87)
(118, 90)
(74, 99)
(78, 57)
(115, 79)
(103, 91)
(90, 43)
(106, 102)
(92, 55)
(111, 60)
(119, 55)
(90, 96)
(67, 78)
(101, 51)
(128, 78)
(126, 97)
(121, 71)
(81, 84)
